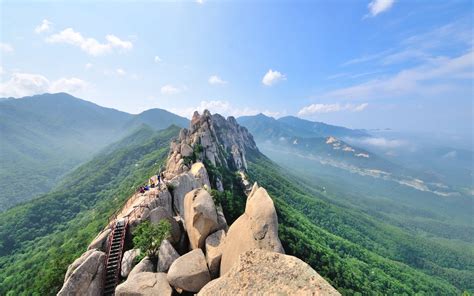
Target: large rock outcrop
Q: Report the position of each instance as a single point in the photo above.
(259, 272)
(160, 213)
(180, 186)
(146, 265)
(257, 228)
(200, 217)
(145, 284)
(214, 133)
(101, 241)
(128, 261)
(214, 252)
(198, 170)
(189, 272)
(166, 256)
(85, 275)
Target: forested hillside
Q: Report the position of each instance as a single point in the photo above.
(39, 239)
(46, 136)
(355, 251)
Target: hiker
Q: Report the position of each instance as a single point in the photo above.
(142, 190)
(162, 177)
(159, 178)
(146, 188)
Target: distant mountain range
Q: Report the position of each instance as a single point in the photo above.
(45, 136)
(291, 126)
(324, 144)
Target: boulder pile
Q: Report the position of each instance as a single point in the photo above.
(202, 254)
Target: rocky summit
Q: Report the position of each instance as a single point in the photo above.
(201, 253)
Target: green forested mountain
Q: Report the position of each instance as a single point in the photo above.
(348, 244)
(45, 136)
(40, 238)
(335, 231)
(291, 126)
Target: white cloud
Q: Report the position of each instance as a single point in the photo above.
(43, 27)
(216, 80)
(89, 45)
(170, 90)
(379, 142)
(120, 72)
(69, 85)
(272, 77)
(441, 75)
(328, 108)
(200, 1)
(26, 84)
(157, 59)
(6, 47)
(222, 107)
(379, 6)
(420, 47)
(88, 66)
(451, 154)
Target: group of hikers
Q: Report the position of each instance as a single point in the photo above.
(153, 182)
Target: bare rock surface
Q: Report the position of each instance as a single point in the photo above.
(259, 272)
(213, 252)
(200, 217)
(181, 185)
(256, 228)
(189, 272)
(198, 170)
(101, 241)
(85, 275)
(128, 260)
(145, 284)
(166, 256)
(160, 213)
(146, 265)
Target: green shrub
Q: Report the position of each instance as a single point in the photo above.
(148, 237)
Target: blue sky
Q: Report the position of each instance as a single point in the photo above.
(405, 65)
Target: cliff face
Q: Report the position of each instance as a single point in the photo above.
(222, 142)
(200, 246)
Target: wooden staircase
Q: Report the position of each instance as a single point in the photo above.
(114, 256)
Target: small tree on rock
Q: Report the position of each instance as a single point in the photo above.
(148, 237)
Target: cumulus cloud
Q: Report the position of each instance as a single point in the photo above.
(272, 77)
(200, 1)
(378, 6)
(43, 27)
(26, 84)
(157, 59)
(222, 107)
(216, 80)
(328, 108)
(120, 72)
(6, 47)
(90, 45)
(170, 89)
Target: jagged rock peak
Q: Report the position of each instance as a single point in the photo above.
(211, 137)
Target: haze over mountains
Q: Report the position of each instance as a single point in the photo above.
(45, 136)
(361, 229)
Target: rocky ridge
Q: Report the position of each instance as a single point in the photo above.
(202, 253)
